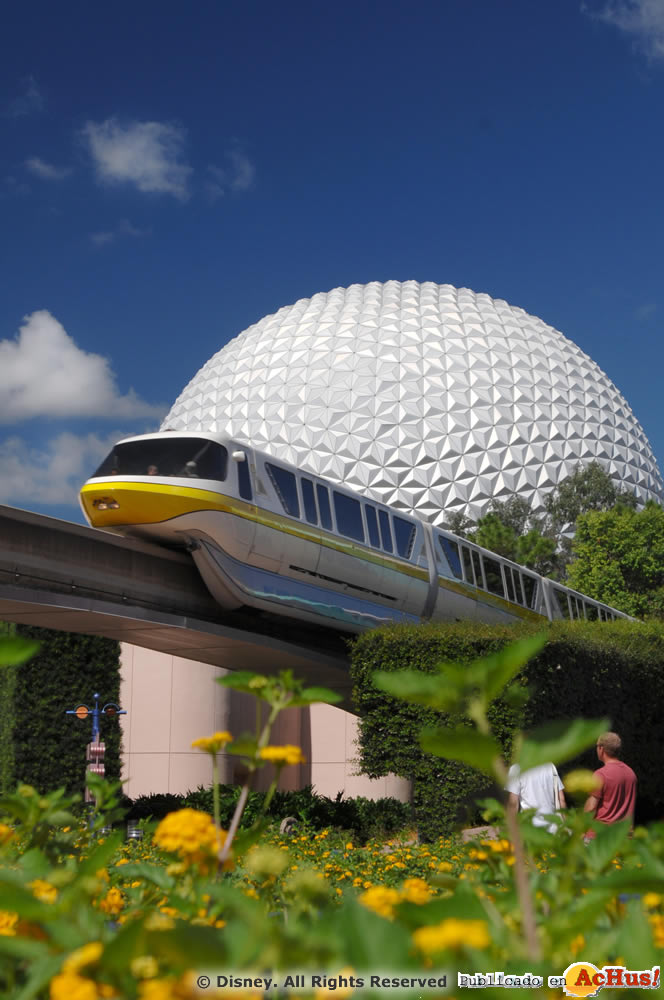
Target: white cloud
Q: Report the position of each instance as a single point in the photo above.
(30, 101)
(52, 474)
(146, 154)
(123, 228)
(643, 20)
(239, 176)
(43, 373)
(45, 170)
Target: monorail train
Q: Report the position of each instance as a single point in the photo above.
(270, 536)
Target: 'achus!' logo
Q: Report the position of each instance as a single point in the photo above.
(585, 980)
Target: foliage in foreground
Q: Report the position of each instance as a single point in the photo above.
(614, 669)
(85, 917)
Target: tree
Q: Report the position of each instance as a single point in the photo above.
(588, 488)
(619, 558)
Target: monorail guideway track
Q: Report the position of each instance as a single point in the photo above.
(61, 575)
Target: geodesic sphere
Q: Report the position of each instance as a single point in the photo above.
(427, 397)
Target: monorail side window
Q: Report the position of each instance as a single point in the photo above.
(244, 480)
(385, 533)
(372, 525)
(451, 553)
(509, 584)
(468, 566)
(349, 516)
(494, 579)
(285, 487)
(478, 568)
(404, 536)
(324, 506)
(529, 588)
(563, 604)
(309, 500)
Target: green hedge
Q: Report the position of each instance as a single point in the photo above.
(586, 669)
(48, 746)
(361, 818)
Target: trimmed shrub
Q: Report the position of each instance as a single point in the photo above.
(361, 818)
(48, 745)
(586, 669)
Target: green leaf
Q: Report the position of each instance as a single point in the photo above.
(418, 687)
(560, 741)
(493, 673)
(244, 746)
(124, 946)
(99, 857)
(14, 651)
(18, 900)
(462, 744)
(242, 680)
(634, 939)
(370, 941)
(188, 946)
(609, 839)
(155, 874)
(41, 973)
(315, 694)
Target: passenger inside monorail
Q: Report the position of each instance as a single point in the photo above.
(179, 458)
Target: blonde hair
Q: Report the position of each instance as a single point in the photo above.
(611, 743)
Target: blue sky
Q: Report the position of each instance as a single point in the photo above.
(171, 173)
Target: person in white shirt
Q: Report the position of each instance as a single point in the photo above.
(538, 788)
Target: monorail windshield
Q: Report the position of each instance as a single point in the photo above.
(179, 458)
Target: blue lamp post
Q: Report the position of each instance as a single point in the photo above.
(95, 749)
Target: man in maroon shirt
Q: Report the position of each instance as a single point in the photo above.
(616, 793)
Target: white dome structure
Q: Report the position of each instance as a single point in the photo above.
(430, 398)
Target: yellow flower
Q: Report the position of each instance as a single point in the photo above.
(43, 891)
(168, 989)
(381, 900)
(657, 921)
(452, 934)
(113, 902)
(577, 944)
(6, 833)
(652, 900)
(191, 834)
(144, 967)
(87, 955)
(70, 986)
(445, 866)
(213, 744)
(580, 782)
(8, 923)
(288, 754)
(122, 861)
(415, 890)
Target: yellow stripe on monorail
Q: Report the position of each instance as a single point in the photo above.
(178, 500)
(174, 501)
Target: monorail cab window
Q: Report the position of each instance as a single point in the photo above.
(168, 458)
